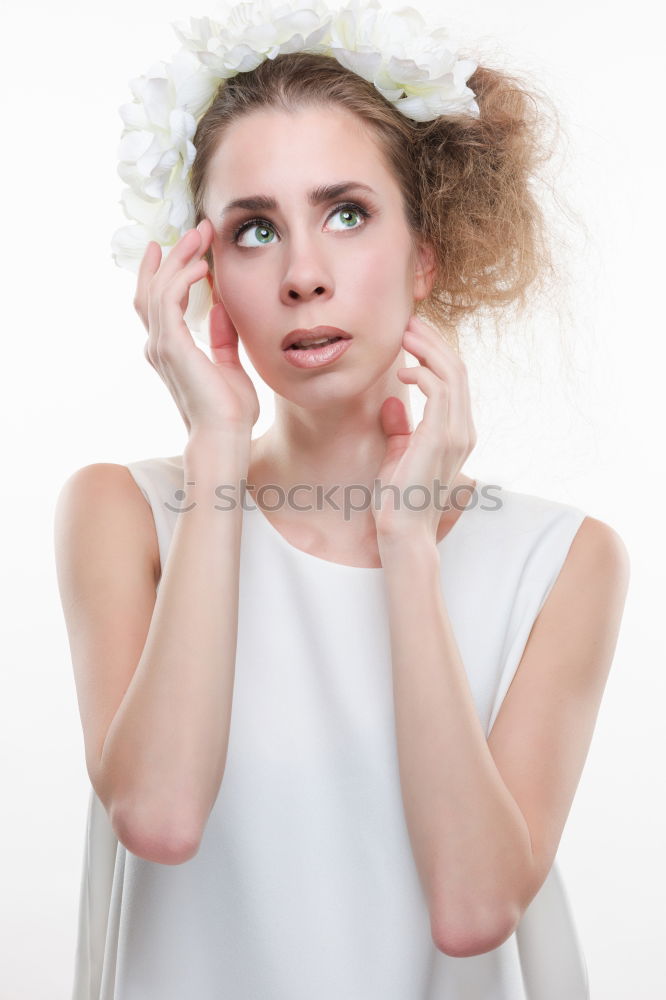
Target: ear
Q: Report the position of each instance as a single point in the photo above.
(424, 271)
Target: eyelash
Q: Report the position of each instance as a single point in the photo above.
(363, 212)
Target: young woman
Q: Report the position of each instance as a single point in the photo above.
(333, 743)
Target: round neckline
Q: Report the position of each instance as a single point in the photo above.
(359, 569)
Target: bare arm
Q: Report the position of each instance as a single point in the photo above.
(165, 752)
(486, 816)
(162, 758)
(155, 672)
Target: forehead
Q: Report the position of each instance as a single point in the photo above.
(269, 149)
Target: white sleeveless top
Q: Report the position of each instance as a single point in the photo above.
(304, 884)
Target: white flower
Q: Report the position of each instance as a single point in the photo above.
(411, 65)
(155, 155)
(252, 32)
(396, 52)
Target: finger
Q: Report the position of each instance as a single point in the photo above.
(429, 343)
(393, 415)
(447, 351)
(441, 359)
(436, 411)
(179, 255)
(189, 245)
(172, 302)
(223, 336)
(205, 228)
(419, 325)
(150, 262)
(146, 353)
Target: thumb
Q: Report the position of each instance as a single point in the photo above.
(398, 433)
(223, 336)
(393, 417)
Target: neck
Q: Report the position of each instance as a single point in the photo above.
(337, 443)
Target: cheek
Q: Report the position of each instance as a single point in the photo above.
(238, 289)
(378, 279)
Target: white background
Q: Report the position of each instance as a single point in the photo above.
(569, 410)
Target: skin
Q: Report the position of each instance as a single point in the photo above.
(485, 832)
(364, 277)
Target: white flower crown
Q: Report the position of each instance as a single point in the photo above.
(394, 50)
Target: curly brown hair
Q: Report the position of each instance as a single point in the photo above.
(466, 181)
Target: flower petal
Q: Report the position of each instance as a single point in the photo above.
(414, 66)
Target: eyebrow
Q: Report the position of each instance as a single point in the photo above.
(318, 195)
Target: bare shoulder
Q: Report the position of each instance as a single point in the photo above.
(106, 495)
(590, 591)
(581, 618)
(599, 550)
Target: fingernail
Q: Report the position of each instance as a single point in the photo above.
(200, 224)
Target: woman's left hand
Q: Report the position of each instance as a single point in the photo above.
(429, 458)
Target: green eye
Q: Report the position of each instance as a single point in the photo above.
(347, 211)
(265, 228)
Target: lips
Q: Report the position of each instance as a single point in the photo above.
(305, 336)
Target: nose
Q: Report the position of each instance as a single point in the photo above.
(306, 276)
(293, 293)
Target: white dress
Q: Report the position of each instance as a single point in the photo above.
(305, 885)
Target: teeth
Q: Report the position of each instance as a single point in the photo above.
(313, 343)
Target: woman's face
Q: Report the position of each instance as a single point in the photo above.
(304, 265)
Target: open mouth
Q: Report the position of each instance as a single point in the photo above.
(314, 346)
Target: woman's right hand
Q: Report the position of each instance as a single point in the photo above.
(213, 395)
